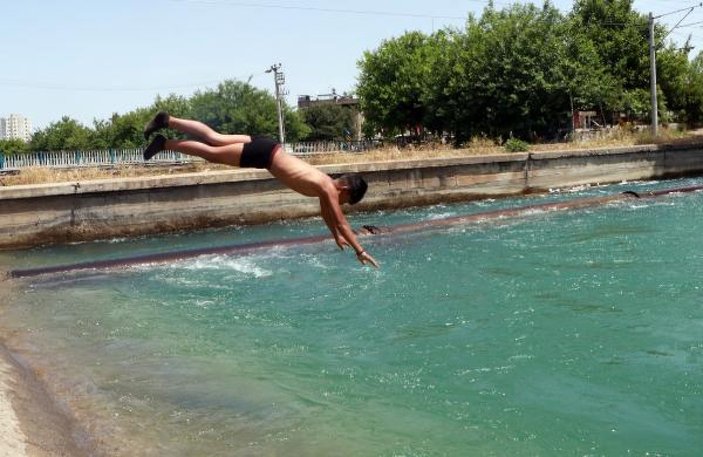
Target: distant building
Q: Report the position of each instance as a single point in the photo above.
(15, 126)
(307, 101)
(585, 120)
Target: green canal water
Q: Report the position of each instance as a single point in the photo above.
(573, 333)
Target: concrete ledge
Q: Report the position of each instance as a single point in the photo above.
(57, 213)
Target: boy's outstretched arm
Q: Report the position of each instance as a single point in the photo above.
(338, 225)
(329, 221)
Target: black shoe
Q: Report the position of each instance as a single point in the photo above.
(160, 121)
(156, 146)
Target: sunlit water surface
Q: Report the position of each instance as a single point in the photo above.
(567, 333)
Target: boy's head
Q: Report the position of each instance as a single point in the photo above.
(355, 185)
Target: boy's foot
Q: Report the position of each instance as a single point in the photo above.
(156, 146)
(160, 121)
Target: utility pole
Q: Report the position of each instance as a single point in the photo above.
(279, 80)
(653, 59)
(653, 73)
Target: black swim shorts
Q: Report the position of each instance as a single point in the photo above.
(258, 153)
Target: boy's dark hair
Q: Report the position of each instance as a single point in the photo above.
(356, 185)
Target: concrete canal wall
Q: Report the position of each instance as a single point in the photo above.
(56, 213)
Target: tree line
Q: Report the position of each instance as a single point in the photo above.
(234, 106)
(518, 72)
(524, 70)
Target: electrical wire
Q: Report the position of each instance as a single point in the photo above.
(70, 88)
(318, 9)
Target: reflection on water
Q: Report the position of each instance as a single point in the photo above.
(572, 333)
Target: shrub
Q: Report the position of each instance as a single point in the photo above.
(13, 146)
(516, 145)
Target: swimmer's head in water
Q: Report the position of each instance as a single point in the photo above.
(355, 185)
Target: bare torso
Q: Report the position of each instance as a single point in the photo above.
(300, 176)
(305, 179)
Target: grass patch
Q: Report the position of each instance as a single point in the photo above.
(516, 145)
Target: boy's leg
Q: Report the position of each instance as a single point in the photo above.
(158, 122)
(228, 154)
(155, 146)
(163, 120)
(200, 130)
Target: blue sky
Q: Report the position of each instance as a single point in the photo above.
(89, 59)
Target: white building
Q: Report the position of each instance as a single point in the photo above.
(15, 126)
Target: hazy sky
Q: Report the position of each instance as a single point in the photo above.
(89, 59)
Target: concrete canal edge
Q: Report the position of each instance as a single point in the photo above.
(57, 213)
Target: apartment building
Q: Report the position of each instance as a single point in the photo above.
(15, 126)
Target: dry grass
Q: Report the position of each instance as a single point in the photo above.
(485, 146)
(477, 146)
(44, 175)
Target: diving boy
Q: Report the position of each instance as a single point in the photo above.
(259, 152)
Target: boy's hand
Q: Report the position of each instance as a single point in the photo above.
(365, 258)
(341, 242)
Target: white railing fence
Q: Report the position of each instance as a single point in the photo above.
(108, 157)
(326, 147)
(69, 159)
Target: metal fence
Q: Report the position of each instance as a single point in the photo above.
(70, 159)
(326, 147)
(108, 157)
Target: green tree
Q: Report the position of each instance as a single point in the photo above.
(177, 105)
(679, 81)
(517, 71)
(392, 81)
(65, 135)
(521, 71)
(296, 128)
(620, 35)
(121, 131)
(238, 107)
(13, 146)
(441, 82)
(509, 75)
(586, 80)
(693, 104)
(329, 122)
(635, 103)
(126, 130)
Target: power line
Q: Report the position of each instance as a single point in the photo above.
(69, 88)
(691, 24)
(366, 12)
(688, 10)
(65, 87)
(653, 58)
(320, 9)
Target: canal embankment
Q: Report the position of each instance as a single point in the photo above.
(32, 215)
